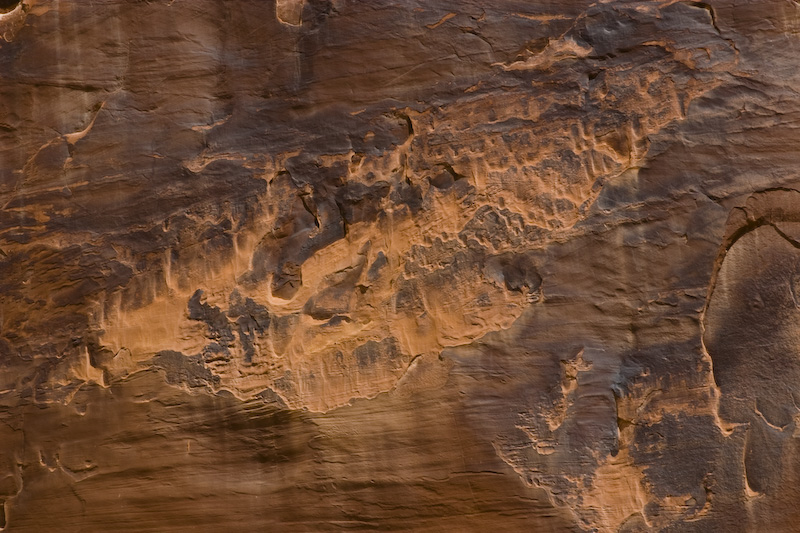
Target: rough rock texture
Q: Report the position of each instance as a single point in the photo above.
(323, 265)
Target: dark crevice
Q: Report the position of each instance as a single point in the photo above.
(711, 13)
(312, 212)
(474, 32)
(344, 218)
(603, 57)
(786, 237)
(8, 5)
(751, 225)
(449, 168)
(409, 125)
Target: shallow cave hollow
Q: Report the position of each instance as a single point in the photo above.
(7, 6)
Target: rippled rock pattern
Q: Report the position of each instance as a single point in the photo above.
(324, 265)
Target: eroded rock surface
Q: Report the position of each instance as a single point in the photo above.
(308, 265)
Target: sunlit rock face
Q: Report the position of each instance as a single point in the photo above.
(312, 265)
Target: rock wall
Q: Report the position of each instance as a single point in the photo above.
(314, 265)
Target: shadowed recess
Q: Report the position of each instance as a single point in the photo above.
(8, 5)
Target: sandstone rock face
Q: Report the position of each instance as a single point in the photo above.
(314, 265)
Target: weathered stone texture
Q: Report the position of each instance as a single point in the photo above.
(313, 265)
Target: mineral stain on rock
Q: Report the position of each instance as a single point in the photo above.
(306, 265)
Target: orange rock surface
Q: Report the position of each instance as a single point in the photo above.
(324, 265)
